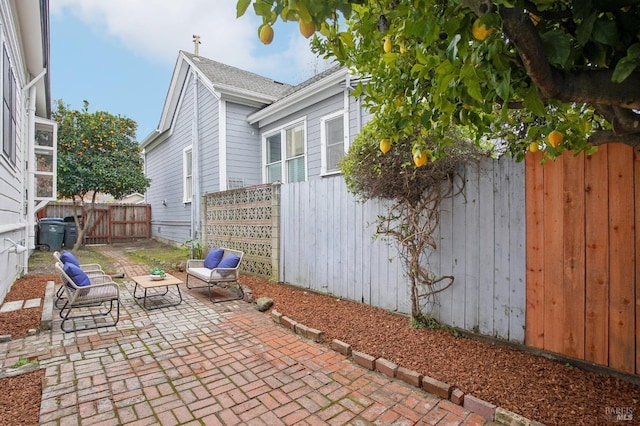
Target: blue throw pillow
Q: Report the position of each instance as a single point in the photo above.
(77, 275)
(68, 257)
(213, 258)
(231, 261)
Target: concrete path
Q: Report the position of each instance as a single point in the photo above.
(210, 364)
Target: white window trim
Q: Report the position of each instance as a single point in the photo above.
(187, 188)
(323, 140)
(283, 149)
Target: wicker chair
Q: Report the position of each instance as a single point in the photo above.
(218, 276)
(101, 291)
(91, 269)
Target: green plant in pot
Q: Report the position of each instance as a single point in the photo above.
(157, 272)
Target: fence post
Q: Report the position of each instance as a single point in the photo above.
(275, 231)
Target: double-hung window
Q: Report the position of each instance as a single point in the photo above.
(9, 109)
(285, 158)
(187, 174)
(333, 140)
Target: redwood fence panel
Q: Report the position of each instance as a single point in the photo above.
(110, 222)
(582, 279)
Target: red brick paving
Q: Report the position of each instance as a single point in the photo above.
(204, 363)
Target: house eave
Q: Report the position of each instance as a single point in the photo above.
(298, 97)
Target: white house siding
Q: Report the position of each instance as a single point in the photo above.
(12, 176)
(243, 146)
(164, 167)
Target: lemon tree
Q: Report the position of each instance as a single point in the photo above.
(97, 153)
(503, 69)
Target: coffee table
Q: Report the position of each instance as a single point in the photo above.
(147, 283)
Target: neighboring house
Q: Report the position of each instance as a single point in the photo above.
(28, 136)
(223, 128)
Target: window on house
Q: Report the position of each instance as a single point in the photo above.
(290, 167)
(295, 154)
(8, 109)
(333, 142)
(274, 158)
(187, 173)
(46, 159)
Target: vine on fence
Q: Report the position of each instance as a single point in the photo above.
(417, 194)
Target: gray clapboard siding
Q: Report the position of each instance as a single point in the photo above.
(327, 245)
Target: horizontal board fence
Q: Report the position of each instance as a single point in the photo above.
(110, 222)
(583, 282)
(327, 245)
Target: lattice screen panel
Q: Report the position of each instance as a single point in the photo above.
(245, 219)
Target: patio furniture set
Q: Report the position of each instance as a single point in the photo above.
(92, 294)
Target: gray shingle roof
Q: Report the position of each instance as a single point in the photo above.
(235, 77)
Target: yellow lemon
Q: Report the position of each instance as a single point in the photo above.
(555, 138)
(533, 147)
(420, 158)
(266, 34)
(387, 45)
(307, 28)
(385, 145)
(403, 48)
(480, 31)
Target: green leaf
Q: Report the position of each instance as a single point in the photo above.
(557, 46)
(633, 52)
(585, 28)
(624, 68)
(241, 7)
(605, 32)
(452, 49)
(474, 90)
(533, 102)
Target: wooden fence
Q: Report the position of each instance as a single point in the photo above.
(110, 223)
(327, 245)
(583, 281)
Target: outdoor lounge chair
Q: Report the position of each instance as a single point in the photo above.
(91, 269)
(85, 293)
(220, 267)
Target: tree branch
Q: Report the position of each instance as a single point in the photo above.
(587, 86)
(602, 137)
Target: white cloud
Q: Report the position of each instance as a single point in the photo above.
(157, 29)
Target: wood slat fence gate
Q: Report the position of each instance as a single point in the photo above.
(110, 223)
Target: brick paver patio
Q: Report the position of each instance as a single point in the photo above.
(203, 363)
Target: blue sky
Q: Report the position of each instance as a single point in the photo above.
(119, 54)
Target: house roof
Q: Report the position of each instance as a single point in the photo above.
(225, 75)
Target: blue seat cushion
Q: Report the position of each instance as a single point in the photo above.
(230, 261)
(213, 258)
(77, 275)
(68, 257)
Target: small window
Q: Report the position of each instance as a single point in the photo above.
(274, 158)
(333, 142)
(295, 154)
(9, 110)
(45, 159)
(187, 173)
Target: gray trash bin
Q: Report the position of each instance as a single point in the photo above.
(70, 232)
(51, 232)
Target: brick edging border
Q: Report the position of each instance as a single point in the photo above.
(443, 390)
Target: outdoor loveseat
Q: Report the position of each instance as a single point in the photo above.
(219, 268)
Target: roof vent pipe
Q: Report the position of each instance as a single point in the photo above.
(196, 44)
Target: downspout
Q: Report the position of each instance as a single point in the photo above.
(31, 172)
(195, 165)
